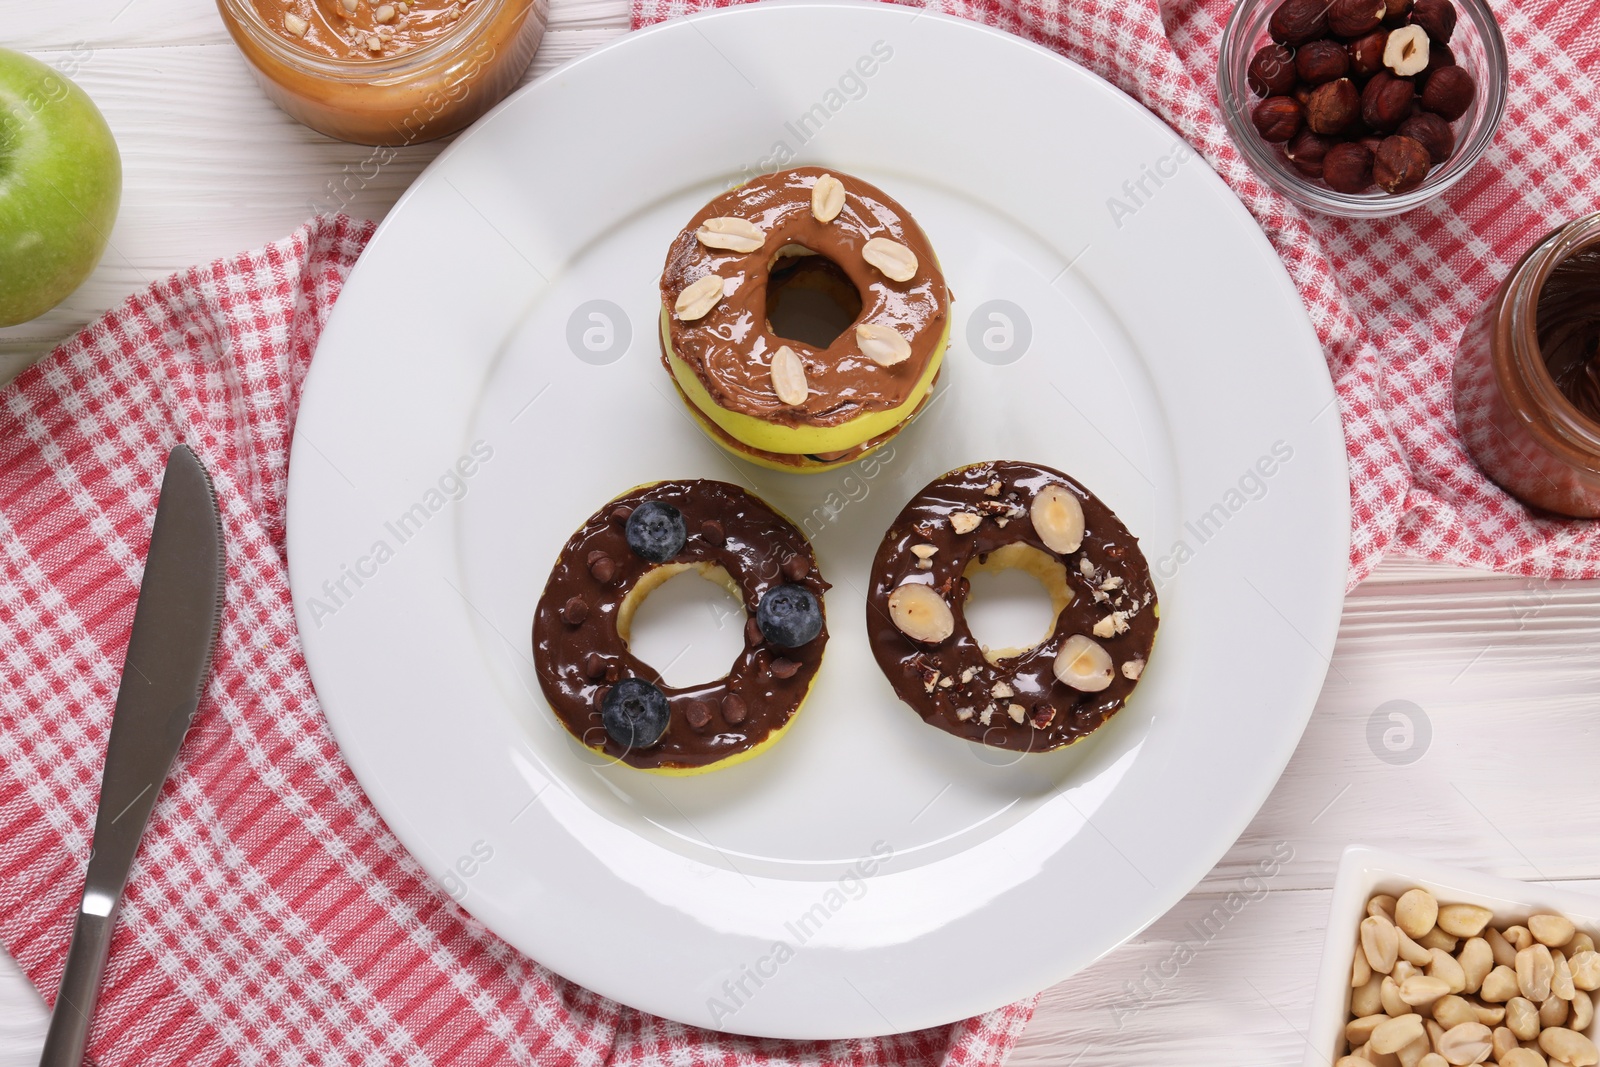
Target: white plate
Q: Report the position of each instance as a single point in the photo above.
(1168, 359)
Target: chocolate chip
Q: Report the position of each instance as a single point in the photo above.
(752, 632)
(575, 611)
(733, 709)
(711, 531)
(783, 667)
(795, 567)
(620, 513)
(1042, 715)
(594, 664)
(602, 566)
(699, 714)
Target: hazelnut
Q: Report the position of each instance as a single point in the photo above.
(1436, 17)
(1366, 54)
(1407, 51)
(1439, 55)
(1295, 22)
(1306, 150)
(1347, 168)
(1277, 118)
(1395, 12)
(1432, 132)
(1271, 71)
(1352, 18)
(1386, 101)
(1449, 93)
(1334, 107)
(1321, 61)
(1400, 164)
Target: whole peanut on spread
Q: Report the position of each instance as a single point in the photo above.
(1439, 985)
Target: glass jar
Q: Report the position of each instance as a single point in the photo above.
(431, 91)
(1520, 426)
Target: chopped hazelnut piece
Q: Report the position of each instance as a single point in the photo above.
(1132, 669)
(295, 24)
(384, 13)
(992, 489)
(1017, 712)
(963, 522)
(923, 551)
(1001, 690)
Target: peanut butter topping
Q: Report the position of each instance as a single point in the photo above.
(361, 29)
(731, 347)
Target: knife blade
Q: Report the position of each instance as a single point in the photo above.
(169, 655)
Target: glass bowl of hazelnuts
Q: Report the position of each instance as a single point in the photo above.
(1362, 108)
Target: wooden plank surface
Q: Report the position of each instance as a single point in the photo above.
(1505, 671)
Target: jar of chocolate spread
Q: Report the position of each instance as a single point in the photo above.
(1527, 376)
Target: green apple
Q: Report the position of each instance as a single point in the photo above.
(60, 183)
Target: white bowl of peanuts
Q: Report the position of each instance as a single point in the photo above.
(1433, 966)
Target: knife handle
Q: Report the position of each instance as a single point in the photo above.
(65, 1041)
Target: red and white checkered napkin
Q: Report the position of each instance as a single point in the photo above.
(1388, 297)
(272, 918)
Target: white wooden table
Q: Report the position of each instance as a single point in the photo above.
(1505, 671)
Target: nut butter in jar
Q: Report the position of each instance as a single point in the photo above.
(1527, 376)
(386, 72)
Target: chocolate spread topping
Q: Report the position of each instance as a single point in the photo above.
(730, 349)
(951, 685)
(1569, 329)
(578, 653)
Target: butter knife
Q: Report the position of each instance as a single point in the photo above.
(169, 655)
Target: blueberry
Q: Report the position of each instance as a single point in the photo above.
(789, 616)
(634, 713)
(655, 531)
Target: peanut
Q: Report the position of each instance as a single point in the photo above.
(1535, 969)
(1360, 969)
(1561, 982)
(1522, 1018)
(1433, 1059)
(1382, 904)
(1585, 969)
(1553, 1012)
(1519, 937)
(1422, 989)
(1366, 999)
(1380, 940)
(1582, 1012)
(1414, 953)
(1490, 1016)
(1445, 966)
(1521, 1057)
(1504, 1041)
(1389, 997)
(1504, 954)
(1396, 1033)
(1552, 931)
(1359, 1031)
(1412, 1054)
(1416, 911)
(1451, 1010)
(1437, 938)
(1477, 960)
(1569, 1046)
(1499, 986)
(1464, 920)
(1582, 942)
(1467, 1043)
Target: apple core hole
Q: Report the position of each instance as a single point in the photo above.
(810, 299)
(685, 620)
(1015, 595)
